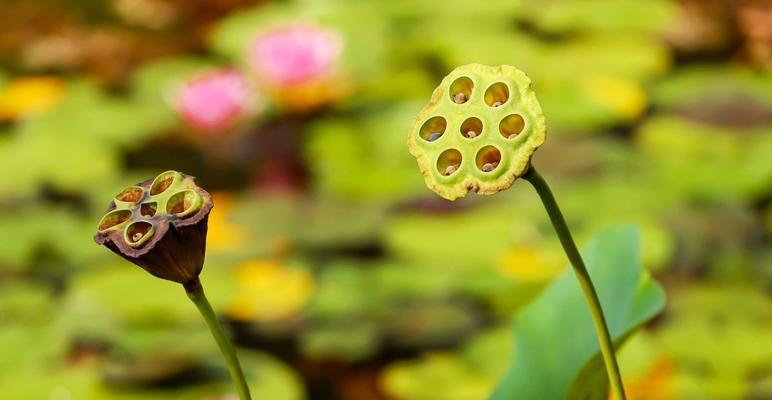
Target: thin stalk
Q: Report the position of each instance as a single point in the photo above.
(196, 294)
(601, 328)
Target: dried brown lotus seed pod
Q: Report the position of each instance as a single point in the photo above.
(160, 225)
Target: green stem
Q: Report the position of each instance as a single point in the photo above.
(196, 294)
(601, 329)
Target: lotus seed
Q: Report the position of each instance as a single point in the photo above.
(471, 134)
(451, 169)
(135, 237)
(459, 98)
(497, 104)
(488, 167)
(434, 136)
(512, 136)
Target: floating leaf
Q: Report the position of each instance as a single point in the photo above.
(155, 81)
(736, 317)
(436, 376)
(26, 302)
(88, 114)
(340, 342)
(313, 222)
(675, 149)
(467, 374)
(611, 16)
(55, 159)
(694, 84)
(104, 291)
(56, 230)
(474, 239)
(337, 149)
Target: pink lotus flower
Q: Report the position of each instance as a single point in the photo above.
(295, 54)
(213, 101)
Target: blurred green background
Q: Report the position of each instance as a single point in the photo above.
(340, 275)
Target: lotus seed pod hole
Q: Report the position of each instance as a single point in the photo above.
(488, 158)
(449, 162)
(138, 231)
(511, 126)
(162, 182)
(148, 209)
(497, 94)
(461, 90)
(183, 203)
(433, 128)
(131, 194)
(471, 128)
(114, 219)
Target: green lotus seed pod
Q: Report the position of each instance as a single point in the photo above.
(159, 224)
(478, 131)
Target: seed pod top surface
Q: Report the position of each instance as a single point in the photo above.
(478, 132)
(159, 224)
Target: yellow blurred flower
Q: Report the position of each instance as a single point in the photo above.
(624, 97)
(268, 291)
(29, 95)
(223, 234)
(531, 265)
(311, 95)
(655, 384)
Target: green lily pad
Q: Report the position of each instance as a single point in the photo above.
(55, 158)
(155, 81)
(736, 317)
(101, 293)
(694, 84)
(342, 342)
(53, 230)
(436, 376)
(360, 305)
(675, 149)
(471, 240)
(267, 378)
(337, 148)
(469, 373)
(312, 222)
(556, 342)
(26, 302)
(87, 114)
(611, 16)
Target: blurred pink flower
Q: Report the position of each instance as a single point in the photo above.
(295, 54)
(213, 101)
